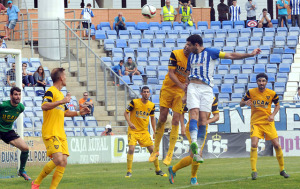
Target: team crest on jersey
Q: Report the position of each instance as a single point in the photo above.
(268, 97)
(148, 109)
(217, 145)
(56, 146)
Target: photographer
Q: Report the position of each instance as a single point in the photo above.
(86, 102)
(108, 131)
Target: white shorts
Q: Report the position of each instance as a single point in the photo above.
(200, 96)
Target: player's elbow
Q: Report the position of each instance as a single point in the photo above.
(217, 117)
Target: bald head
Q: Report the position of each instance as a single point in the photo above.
(168, 2)
(120, 14)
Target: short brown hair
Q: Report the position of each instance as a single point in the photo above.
(56, 73)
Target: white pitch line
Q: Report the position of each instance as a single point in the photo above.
(233, 180)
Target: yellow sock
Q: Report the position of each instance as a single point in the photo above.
(156, 164)
(129, 162)
(279, 156)
(57, 176)
(253, 159)
(46, 170)
(159, 133)
(182, 163)
(173, 139)
(195, 166)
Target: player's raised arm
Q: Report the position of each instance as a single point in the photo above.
(246, 100)
(235, 56)
(48, 104)
(82, 112)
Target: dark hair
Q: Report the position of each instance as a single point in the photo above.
(121, 61)
(195, 39)
(298, 88)
(233, 0)
(37, 71)
(89, 5)
(14, 89)
(24, 63)
(144, 88)
(264, 9)
(56, 73)
(261, 75)
(129, 58)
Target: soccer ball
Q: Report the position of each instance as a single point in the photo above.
(148, 11)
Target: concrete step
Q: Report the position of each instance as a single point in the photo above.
(114, 125)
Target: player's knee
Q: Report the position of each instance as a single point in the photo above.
(130, 151)
(254, 145)
(25, 149)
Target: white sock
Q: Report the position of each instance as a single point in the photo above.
(194, 135)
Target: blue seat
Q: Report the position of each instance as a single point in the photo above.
(157, 89)
(271, 68)
(278, 50)
(253, 78)
(262, 59)
(164, 60)
(161, 79)
(239, 49)
(223, 97)
(215, 25)
(269, 86)
(166, 51)
(275, 58)
(181, 42)
(38, 101)
(154, 26)
(243, 41)
(154, 52)
(137, 80)
(153, 61)
(166, 26)
(280, 41)
(275, 23)
(226, 88)
(251, 86)
(172, 34)
(268, 40)
(136, 89)
(130, 26)
(105, 26)
(281, 77)
(142, 26)
(27, 122)
(190, 28)
(239, 24)
(169, 42)
(233, 33)
(117, 52)
(288, 50)
(100, 34)
(184, 34)
(202, 25)
(91, 121)
(145, 43)
(129, 52)
(177, 26)
(152, 81)
(242, 78)
(33, 62)
(250, 60)
(121, 43)
(133, 43)
(215, 89)
(160, 34)
(287, 58)
(270, 32)
(237, 97)
(98, 27)
(223, 69)
(235, 69)
(158, 43)
(219, 42)
(148, 34)
(78, 121)
(116, 60)
(162, 70)
(142, 52)
(239, 88)
(231, 41)
(251, 48)
(228, 49)
(142, 70)
(136, 34)
(227, 24)
(98, 131)
(151, 71)
(221, 33)
(245, 32)
(124, 34)
(247, 68)
(292, 41)
(196, 32)
(111, 34)
(259, 68)
(293, 31)
(282, 31)
(279, 88)
(226, 61)
(255, 41)
(88, 132)
(155, 99)
(207, 42)
(271, 77)
(218, 79)
(126, 79)
(229, 78)
(265, 49)
(257, 32)
(284, 68)
(209, 33)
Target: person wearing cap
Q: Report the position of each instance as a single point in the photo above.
(185, 15)
(108, 131)
(260, 100)
(12, 18)
(87, 14)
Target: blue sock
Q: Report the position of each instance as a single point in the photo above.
(201, 135)
(193, 130)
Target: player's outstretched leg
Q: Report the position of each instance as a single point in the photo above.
(46, 170)
(171, 175)
(160, 127)
(194, 181)
(173, 140)
(200, 141)
(23, 160)
(194, 169)
(193, 132)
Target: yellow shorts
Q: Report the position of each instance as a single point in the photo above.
(188, 135)
(172, 98)
(267, 131)
(54, 145)
(144, 139)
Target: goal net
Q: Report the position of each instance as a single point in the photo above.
(11, 75)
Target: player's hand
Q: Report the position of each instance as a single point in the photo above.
(256, 52)
(248, 102)
(132, 126)
(66, 100)
(85, 111)
(271, 118)
(183, 86)
(183, 131)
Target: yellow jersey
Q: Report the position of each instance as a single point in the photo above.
(53, 124)
(261, 104)
(178, 61)
(139, 114)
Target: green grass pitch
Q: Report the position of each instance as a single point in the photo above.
(214, 173)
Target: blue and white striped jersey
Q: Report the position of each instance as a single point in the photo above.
(202, 65)
(235, 12)
(295, 4)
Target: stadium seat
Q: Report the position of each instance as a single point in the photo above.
(154, 52)
(177, 26)
(161, 78)
(78, 121)
(158, 43)
(233, 33)
(215, 25)
(207, 42)
(239, 24)
(162, 70)
(235, 69)
(288, 50)
(91, 121)
(142, 52)
(142, 26)
(164, 60)
(27, 101)
(190, 28)
(282, 31)
(124, 34)
(228, 49)
(275, 23)
(279, 88)
(28, 112)
(209, 33)
(27, 123)
(270, 32)
(153, 61)
(243, 41)
(29, 91)
(105, 26)
(133, 43)
(239, 88)
(130, 26)
(275, 58)
(154, 26)
(129, 52)
(111, 34)
(38, 100)
(152, 81)
(265, 50)
(242, 78)
(181, 42)
(136, 89)
(202, 25)
(250, 60)
(271, 68)
(218, 79)
(107, 61)
(287, 58)
(257, 32)
(259, 68)
(251, 86)
(281, 77)
(70, 132)
(223, 97)
(37, 123)
(121, 43)
(109, 44)
(155, 99)
(137, 80)
(271, 77)
(229, 78)
(135, 34)
(196, 32)
(172, 34)
(252, 77)
(170, 43)
(116, 60)
(145, 43)
(166, 51)
(293, 31)
(100, 34)
(268, 40)
(88, 132)
(98, 131)
(239, 49)
(141, 69)
(221, 33)
(148, 34)
(284, 68)
(292, 41)
(68, 122)
(280, 41)
(151, 71)
(117, 52)
(262, 59)
(245, 32)
(223, 69)
(255, 41)
(126, 79)
(227, 25)
(160, 34)
(237, 97)
(278, 50)
(166, 26)
(184, 34)
(226, 61)
(231, 41)
(219, 42)
(247, 68)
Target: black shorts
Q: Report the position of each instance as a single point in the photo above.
(265, 25)
(9, 136)
(85, 25)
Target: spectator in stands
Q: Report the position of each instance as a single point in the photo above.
(120, 22)
(180, 3)
(297, 96)
(264, 19)
(71, 105)
(27, 76)
(222, 10)
(87, 13)
(295, 6)
(282, 12)
(118, 68)
(39, 77)
(131, 68)
(234, 11)
(108, 131)
(12, 17)
(2, 8)
(168, 13)
(185, 15)
(11, 76)
(250, 7)
(212, 11)
(2, 44)
(86, 102)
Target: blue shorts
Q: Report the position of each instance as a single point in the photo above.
(11, 25)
